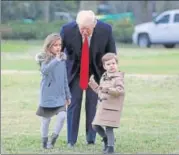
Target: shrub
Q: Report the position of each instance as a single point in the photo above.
(122, 30)
(37, 30)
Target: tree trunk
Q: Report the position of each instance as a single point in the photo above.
(144, 11)
(89, 5)
(136, 7)
(166, 5)
(46, 9)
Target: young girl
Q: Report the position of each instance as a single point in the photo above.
(110, 101)
(54, 90)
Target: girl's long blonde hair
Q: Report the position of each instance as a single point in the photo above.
(46, 55)
(49, 41)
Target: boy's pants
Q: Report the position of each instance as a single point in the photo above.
(61, 116)
(108, 133)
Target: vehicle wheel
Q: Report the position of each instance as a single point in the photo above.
(169, 45)
(144, 41)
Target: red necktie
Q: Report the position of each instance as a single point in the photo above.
(84, 68)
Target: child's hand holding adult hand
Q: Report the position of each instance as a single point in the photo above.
(92, 79)
(92, 83)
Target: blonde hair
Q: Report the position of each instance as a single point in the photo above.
(86, 17)
(49, 41)
(109, 56)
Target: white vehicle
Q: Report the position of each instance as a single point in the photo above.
(164, 29)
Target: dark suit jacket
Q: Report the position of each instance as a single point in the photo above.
(101, 42)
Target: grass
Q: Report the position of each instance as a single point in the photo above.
(149, 123)
(154, 61)
(18, 45)
(131, 59)
(150, 64)
(150, 119)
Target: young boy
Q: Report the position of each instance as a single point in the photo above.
(110, 101)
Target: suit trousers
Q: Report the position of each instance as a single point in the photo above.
(74, 110)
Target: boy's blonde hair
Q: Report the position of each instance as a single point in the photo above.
(109, 56)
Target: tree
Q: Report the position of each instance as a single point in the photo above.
(46, 10)
(88, 5)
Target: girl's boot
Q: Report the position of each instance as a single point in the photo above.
(44, 142)
(52, 141)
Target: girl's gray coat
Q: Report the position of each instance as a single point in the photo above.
(54, 90)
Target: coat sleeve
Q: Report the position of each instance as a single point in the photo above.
(67, 90)
(111, 47)
(119, 88)
(62, 34)
(66, 50)
(94, 86)
(47, 67)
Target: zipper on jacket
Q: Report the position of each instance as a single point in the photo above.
(49, 83)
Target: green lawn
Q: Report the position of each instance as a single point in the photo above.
(149, 124)
(152, 61)
(18, 45)
(19, 55)
(150, 119)
(159, 64)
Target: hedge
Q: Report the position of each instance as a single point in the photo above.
(39, 30)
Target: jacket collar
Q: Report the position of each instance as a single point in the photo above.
(116, 74)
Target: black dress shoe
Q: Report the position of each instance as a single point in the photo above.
(70, 145)
(90, 142)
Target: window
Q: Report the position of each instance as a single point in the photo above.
(176, 18)
(163, 20)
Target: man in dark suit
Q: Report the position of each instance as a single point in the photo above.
(100, 42)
